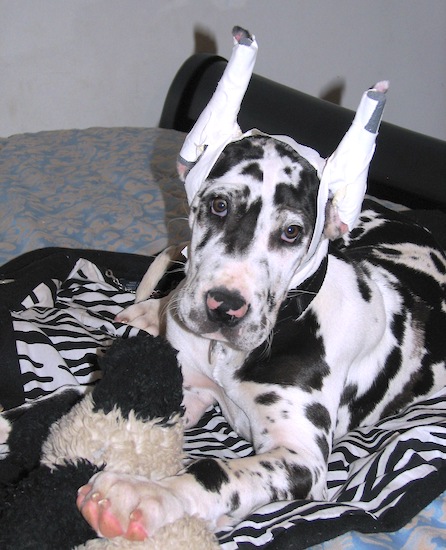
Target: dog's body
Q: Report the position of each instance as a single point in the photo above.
(292, 367)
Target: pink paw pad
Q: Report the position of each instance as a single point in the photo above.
(96, 510)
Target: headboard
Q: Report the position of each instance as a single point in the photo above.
(408, 167)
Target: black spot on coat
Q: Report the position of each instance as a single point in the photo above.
(319, 416)
(209, 473)
(268, 398)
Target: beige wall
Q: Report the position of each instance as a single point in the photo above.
(80, 63)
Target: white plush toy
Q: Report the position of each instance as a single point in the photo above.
(130, 422)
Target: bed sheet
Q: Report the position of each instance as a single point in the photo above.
(111, 189)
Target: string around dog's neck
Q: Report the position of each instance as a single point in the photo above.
(299, 298)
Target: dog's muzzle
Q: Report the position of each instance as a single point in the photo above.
(225, 307)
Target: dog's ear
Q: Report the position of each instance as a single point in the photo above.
(217, 124)
(346, 170)
(183, 167)
(334, 227)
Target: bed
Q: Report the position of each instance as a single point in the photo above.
(82, 214)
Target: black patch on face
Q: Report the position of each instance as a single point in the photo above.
(235, 153)
(236, 227)
(253, 169)
(209, 474)
(285, 150)
(205, 239)
(319, 416)
(267, 398)
(240, 226)
(300, 196)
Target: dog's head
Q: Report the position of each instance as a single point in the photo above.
(260, 214)
(252, 223)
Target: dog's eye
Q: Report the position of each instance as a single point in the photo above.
(290, 233)
(219, 207)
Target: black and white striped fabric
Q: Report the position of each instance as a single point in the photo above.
(63, 325)
(379, 476)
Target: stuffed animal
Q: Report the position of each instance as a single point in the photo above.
(130, 422)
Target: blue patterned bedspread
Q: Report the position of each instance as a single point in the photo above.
(103, 188)
(116, 189)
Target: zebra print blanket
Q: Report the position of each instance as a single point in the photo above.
(380, 477)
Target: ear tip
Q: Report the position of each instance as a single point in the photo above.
(182, 170)
(381, 86)
(242, 36)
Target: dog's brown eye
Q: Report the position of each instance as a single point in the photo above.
(219, 207)
(290, 233)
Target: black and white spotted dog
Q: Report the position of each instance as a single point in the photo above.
(292, 368)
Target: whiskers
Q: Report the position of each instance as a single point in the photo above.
(172, 302)
(268, 342)
(295, 292)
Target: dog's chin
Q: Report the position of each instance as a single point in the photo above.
(235, 337)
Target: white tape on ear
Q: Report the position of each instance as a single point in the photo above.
(217, 125)
(345, 173)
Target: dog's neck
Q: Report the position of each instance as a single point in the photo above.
(310, 265)
(299, 298)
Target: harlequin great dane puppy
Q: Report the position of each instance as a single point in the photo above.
(292, 367)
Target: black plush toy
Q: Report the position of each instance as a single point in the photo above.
(130, 422)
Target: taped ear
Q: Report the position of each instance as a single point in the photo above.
(345, 173)
(217, 125)
(334, 227)
(183, 167)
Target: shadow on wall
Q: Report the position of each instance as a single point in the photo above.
(333, 91)
(204, 41)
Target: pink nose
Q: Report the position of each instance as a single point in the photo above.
(225, 306)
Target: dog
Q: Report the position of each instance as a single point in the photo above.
(293, 364)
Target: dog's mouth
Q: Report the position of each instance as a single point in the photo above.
(223, 316)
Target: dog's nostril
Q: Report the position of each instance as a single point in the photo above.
(226, 307)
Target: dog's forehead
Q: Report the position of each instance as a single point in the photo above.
(261, 159)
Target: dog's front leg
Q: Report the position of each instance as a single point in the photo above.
(149, 315)
(218, 491)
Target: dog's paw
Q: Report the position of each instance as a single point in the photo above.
(127, 506)
(143, 315)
